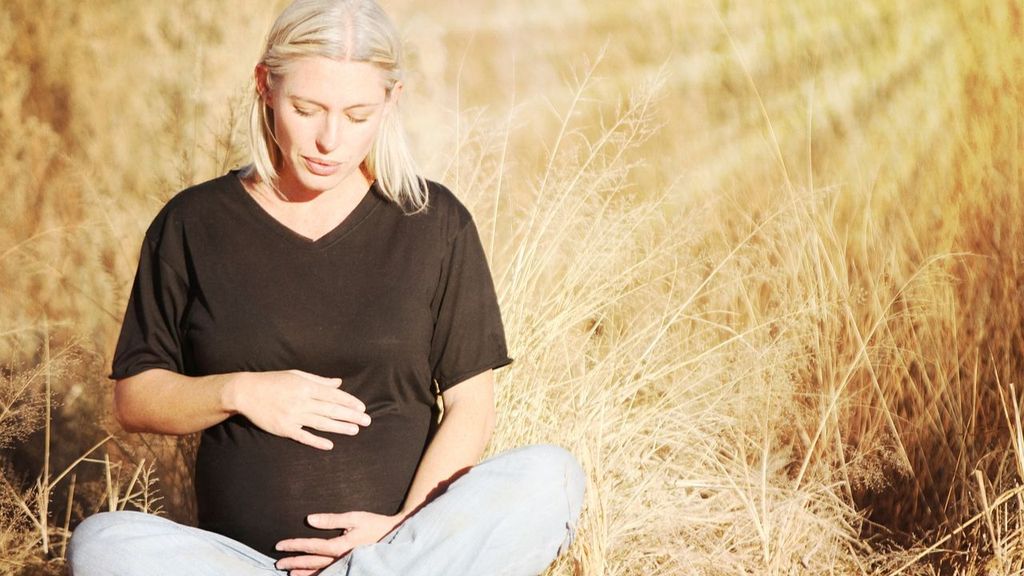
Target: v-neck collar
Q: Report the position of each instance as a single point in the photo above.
(371, 199)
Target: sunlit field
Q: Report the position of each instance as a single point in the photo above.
(760, 264)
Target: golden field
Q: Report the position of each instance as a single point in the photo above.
(760, 264)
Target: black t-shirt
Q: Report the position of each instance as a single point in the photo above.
(388, 302)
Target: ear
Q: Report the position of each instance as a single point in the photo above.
(262, 76)
(396, 91)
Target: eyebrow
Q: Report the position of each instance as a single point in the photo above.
(315, 103)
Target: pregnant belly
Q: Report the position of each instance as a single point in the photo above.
(258, 488)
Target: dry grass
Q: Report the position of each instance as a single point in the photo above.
(760, 266)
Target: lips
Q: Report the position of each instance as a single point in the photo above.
(321, 167)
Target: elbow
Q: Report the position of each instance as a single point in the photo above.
(122, 406)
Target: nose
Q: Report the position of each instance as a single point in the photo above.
(330, 134)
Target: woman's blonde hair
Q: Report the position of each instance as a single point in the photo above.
(348, 30)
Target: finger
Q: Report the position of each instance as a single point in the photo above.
(346, 520)
(301, 572)
(322, 380)
(304, 562)
(334, 547)
(310, 439)
(325, 424)
(312, 546)
(341, 413)
(338, 396)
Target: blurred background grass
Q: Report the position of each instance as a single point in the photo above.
(760, 263)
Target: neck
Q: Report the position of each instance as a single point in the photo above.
(291, 191)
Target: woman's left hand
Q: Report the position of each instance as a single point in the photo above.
(360, 528)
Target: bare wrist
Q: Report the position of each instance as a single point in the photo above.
(230, 397)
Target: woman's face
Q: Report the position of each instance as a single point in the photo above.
(326, 115)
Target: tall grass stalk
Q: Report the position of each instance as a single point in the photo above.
(763, 369)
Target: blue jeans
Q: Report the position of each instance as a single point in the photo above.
(511, 514)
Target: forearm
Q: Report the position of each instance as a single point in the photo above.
(166, 402)
(458, 443)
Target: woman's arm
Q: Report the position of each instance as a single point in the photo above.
(460, 440)
(166, 402)
(280, 402)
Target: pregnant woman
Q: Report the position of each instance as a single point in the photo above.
(304, 313)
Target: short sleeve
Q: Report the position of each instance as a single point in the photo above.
(150, 334)
(468, 336)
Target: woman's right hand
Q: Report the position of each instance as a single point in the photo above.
(284, 402)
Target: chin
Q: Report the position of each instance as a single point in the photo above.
(320, 183)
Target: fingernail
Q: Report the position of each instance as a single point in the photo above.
(366, 420)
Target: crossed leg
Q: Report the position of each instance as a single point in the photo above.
(512, 514)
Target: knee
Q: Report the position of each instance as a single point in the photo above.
(552, 475)
(95, 541)
(553, 482)
(94, 529)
